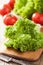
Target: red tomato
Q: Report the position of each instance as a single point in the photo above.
(11, 3)
(37, 18)
(5, 10)
(10, 20)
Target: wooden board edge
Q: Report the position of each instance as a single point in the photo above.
(28, 59)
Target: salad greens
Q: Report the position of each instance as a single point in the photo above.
(26, 8)
(39, 5)
(24, 35)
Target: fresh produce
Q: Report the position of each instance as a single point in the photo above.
(20, 27)
(37, 18)
(19, 4)
(38, 5)
(10, 20)
(5, 10)
(11, 3)
(24, 35)
(25, 8)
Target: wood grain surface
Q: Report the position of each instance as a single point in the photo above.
(29, 55)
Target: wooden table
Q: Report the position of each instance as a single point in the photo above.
(38, 62)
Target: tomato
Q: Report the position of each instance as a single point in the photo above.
(5, 10)
(37, 18)
(10, 20)
(11, 3)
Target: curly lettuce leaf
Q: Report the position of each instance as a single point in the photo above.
(39, 5)
(21, 27)
(24, 35)
(24, 10)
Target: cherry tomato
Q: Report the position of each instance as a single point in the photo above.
(37, 18)
(11, 3)
(5, 10)
(10, 20)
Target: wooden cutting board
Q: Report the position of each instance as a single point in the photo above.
(29, 55)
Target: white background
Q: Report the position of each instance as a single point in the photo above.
(2, 2)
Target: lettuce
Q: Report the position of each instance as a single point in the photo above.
(24, 35)
(24, 8)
